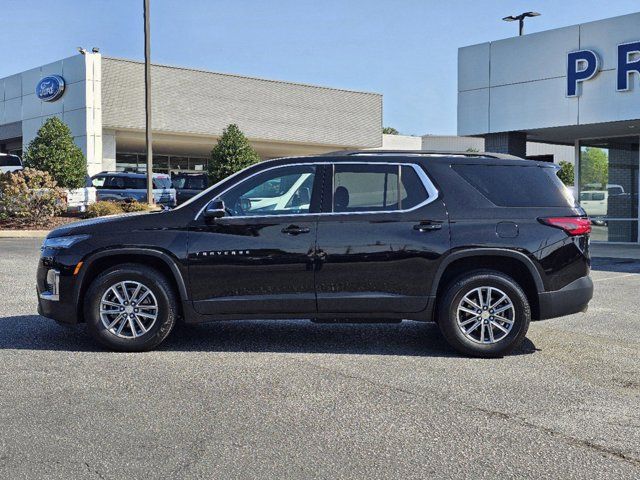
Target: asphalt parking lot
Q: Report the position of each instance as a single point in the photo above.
(300, 400)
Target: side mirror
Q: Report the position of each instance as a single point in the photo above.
(215, 209)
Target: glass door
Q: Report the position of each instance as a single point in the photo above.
(608, 187)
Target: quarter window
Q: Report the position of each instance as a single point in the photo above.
(279, 191)
(98, 182)
(371, 188)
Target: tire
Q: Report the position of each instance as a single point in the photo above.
(138, 333)
(477, 341)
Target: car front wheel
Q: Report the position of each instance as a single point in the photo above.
(484, 314)
(130, 308)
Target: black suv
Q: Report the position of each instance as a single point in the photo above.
(479, 243)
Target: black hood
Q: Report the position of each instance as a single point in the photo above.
(91, 225)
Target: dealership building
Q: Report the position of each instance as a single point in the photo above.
(576, 86)
(101, 99)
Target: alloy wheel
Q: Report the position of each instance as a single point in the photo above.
(128, 309)
(485, 315)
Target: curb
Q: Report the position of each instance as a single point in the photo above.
(23, 233)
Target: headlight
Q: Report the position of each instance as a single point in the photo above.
(63, 242)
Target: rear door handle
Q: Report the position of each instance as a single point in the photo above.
(295, 230)
(427, 226)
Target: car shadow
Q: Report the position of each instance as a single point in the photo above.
(32, 332)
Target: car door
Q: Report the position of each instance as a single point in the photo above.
(379, 239)
(260, 256)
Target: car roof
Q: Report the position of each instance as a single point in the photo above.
(412, 156)
(130, 174)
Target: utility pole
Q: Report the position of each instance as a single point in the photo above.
(147, 101)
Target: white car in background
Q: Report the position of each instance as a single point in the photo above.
(595, 203)
(9, 163)
(79, 199)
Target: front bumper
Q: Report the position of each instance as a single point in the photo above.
(56, 292)
(572, 298)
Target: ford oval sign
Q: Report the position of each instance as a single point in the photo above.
(50, 88)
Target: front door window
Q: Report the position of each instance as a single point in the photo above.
(278, 191)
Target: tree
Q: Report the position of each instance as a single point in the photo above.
(594, 167)
(232, 153)
(53, 151)
(390, 131)
(566, 173)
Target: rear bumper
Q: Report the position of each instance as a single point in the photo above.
(572, 298)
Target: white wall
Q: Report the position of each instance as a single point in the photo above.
(452, 143)
(519, 83)
(79, 107)
(400, 142)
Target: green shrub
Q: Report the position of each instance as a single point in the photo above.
(134, 206)
(53, 151)
(101, 209)
(30, 196)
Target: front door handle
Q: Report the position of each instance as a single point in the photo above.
(295, 230)
(427, 226)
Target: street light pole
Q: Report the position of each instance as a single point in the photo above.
(147, 101)
(520, 18)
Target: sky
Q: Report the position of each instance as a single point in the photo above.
(404, 49)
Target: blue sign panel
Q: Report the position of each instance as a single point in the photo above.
(626, 64)
(50, 88)
(581, 65)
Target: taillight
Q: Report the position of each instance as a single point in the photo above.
(571, 225)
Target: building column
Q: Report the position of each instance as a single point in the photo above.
(109, 150)
(513, 143)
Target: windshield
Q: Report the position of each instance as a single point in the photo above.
(10, 161)
(161, 182)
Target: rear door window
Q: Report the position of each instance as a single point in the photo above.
(135, 183)
(116, 183)
(376, 188)
(517, 186)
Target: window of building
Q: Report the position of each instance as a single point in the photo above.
(161, 163)
(608, 187)
(179, 164)
(137, 162)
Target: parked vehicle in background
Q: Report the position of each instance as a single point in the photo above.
(612, 188)
(79, 199)
(9, 163)
(188, 185)
(594, 203)
(118, 186)
(479, 243)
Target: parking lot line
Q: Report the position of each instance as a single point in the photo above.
(616, 277)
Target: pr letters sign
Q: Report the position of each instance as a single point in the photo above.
(583, 65)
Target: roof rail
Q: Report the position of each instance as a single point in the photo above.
(424, 153)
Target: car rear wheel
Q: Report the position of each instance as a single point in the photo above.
(130, 308)
(484, 314)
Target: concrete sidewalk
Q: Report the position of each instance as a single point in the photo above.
(609, 250)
